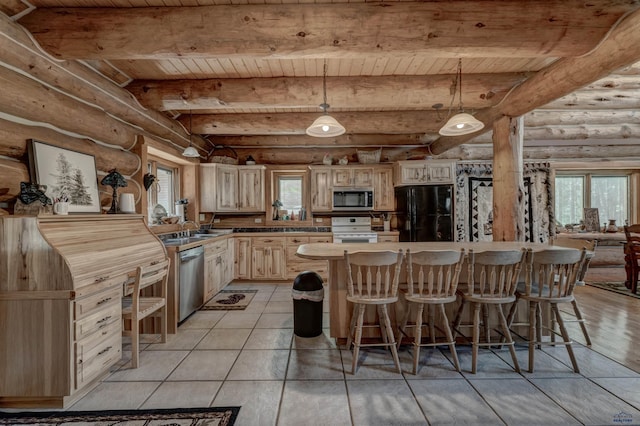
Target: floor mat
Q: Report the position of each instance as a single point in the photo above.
(617, 287)
(230, 300)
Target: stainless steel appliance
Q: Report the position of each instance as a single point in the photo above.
(425, 212)
(352, 199)
(191, 285)
(352, 230)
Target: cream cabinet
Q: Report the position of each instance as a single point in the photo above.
(384, 197)
(424, 172)
(268, 258)
(230, 188)
(354, 176)
(242, 258)
(321, 179)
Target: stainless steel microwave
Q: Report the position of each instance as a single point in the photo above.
(351, 199)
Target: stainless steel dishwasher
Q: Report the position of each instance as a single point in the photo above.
(191, 282)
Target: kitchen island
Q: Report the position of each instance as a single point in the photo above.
(340, 312)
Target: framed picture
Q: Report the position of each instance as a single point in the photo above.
(67, 174)
(591, 220)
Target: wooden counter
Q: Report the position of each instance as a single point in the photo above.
(340, 312)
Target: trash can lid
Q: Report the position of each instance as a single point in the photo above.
(307, 281)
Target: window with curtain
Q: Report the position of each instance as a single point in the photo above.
(165, 190)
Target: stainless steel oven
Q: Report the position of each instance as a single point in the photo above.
(353, 230)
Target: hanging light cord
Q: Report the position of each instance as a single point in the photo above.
(459, 79)
(190, 131)
(324, 105)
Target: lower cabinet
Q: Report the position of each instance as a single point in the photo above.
(218, 266)
(268, 258)
(296, 264)
(242, 258)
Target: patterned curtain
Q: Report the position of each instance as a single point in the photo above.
(474, 201)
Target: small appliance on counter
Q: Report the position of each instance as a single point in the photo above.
(181, 209)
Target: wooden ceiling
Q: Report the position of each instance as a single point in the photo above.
(251, 75)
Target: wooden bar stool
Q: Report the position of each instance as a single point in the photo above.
(372, 279)
(550, 282)
(492, 281)
(432, 281)
(137, 307)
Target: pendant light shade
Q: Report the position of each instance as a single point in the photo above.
(190, 151)
(461, 123)
(325, 126)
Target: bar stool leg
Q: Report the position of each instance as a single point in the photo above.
(358, 337)
(578, 314)
(565, 337)
(507, 334)
(447, 331)
(533, 306)
(418, 338)
(476, 337)
(391, 338)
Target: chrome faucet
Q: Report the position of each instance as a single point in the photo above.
(187, 233)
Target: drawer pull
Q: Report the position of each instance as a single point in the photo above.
(103, 320)
(105, 350)
(101, 279)
(296, 240)
(105, 300)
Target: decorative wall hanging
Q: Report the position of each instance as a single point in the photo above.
(65, 173)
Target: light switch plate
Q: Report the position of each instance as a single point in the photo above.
(216, 220)
(318, 220)
(201, 217)
(257, 220)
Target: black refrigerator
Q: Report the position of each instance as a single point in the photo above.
(425, 212)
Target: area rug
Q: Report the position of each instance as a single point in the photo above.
(218, 416)
(616, 287)
(230, 300)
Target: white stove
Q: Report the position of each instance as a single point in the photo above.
(352, 230)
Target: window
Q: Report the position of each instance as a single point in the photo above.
(609, 193)
(289, 187)
(290, 192)
(165, 190)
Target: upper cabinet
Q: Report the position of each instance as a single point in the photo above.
(356, 177)
(321, 184)
(229, 188)
(424, 172)
(383, 198)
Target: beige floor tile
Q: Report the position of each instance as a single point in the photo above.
(238, 319)
(323, 341)
(205, 365)
(314, 402)
(383, 402)
(627, 389)
(432, 363)
(256, 307)
(309, 364)
(279, 307)
(224, 338)
(186, 339)
(260, 365)
(518, 402)
(116, 396)
(281, 296)
(446, 401)
(275, 321)
(259, 400)
(545, 366)
(591, 363)
(153, 365)
(269, 338)
(490, 365)
(183, 395)
(373, 363)
(202, 319)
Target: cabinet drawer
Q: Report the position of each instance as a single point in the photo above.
(87, 305)
(320, 267)
(297, 240)
(215, 247)
(98, 320)
(387, 239)
(100, 283)
(267, 241)
(94, 356)
(321, 239)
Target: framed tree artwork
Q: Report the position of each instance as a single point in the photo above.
(68, 175)
(591, 220)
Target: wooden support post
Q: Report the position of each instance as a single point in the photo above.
(508, 186)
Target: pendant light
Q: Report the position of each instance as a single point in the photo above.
(461, 123)
(190, 151)
(325, 126)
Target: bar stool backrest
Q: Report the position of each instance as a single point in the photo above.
(554, 272)
(373, 275)
(433, 274)
(495, 274)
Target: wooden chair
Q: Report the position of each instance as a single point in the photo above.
(590, 246)
(372, 279)
(432, 281)
(136, 307)
(550, 281)
(492, 281)
(632, 256)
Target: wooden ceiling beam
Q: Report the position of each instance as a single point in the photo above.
(480, 91)
(304, 141)
(620, 48)
(554, 117)
(553, 28)
(597, 100)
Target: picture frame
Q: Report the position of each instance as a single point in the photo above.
(66, 174)
(591, 220)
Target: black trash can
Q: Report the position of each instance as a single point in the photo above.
(308, 294)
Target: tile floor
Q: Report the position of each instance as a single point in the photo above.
(251, 358)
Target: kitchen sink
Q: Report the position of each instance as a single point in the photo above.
(183, 240)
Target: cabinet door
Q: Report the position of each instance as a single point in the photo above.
(321, 190)
(209, 277)
(383, 193)
(268, 258)
(226, 188)
(440, 173)
(277, 262)
(228, 263)
(362, 177)
(207, 188)
(251, 189)
(415, 173)
(342, 177)
(259, 262)
(242, 258)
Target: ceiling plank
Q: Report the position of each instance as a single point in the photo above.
(552, 117)
(553, 28)
(620, 48)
